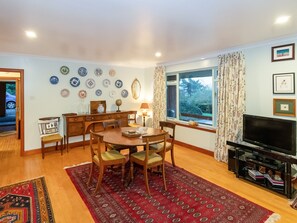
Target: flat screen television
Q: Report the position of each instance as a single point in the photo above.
(270, 133)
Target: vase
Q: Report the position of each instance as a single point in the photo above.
(100, 108)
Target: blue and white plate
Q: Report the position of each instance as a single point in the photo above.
(98, 92)
(90, 83)
(82, 71)
(75, 82)
(54, 79)
(124, 93)
(118, 83)
(98, 72)
(106, 82)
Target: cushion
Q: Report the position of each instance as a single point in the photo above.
(151, 159)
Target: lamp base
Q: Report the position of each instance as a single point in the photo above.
(118, 109)
(143, 121)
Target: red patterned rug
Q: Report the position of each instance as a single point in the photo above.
(27, 201)
(188, 198)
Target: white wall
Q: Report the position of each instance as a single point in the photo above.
(259, 96)
(43, 99)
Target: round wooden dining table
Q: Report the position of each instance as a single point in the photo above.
(121, 136)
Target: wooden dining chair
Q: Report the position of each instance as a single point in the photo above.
(109, 124)
(150, 158)
(49, 133)
(170, 127)
(103, 159)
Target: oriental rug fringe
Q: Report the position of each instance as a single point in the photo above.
(26, 201)
(188, 198)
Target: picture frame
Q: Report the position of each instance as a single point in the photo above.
(283, 52)
(284, 107)
(283, 83)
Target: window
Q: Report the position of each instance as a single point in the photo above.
(192, 95)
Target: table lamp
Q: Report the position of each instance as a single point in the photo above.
(144, 107)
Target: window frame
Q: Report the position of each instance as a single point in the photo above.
(214, 71)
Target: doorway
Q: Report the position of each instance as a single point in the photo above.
(7, 108)
(12, 104)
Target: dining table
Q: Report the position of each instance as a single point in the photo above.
(127, 136)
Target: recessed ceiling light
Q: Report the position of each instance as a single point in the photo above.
(158, 54)
(282, 19)
(31, 34)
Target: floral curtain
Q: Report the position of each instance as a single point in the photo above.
(159, 103)
(231, 102)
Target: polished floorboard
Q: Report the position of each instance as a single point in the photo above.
(69, 207)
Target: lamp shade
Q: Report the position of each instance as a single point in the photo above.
(144, 106)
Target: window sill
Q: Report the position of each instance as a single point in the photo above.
(199, 127)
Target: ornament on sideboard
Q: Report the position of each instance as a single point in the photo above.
(118, 103)
(100, 108)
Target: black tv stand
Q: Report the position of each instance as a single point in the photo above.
(265, 168)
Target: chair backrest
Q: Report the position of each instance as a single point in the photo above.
(95, 145)
(155, 139)
(111, 124)
(48, 125)
(165, 125)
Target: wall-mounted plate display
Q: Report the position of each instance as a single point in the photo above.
(82, 71)
(118, 83)
(74, 81)
(90, 83)
(54, 79)
(82, 94)
(65, 93)
(106, 82)
(112, 94)
(98, 72)
(98, 92)
(124, 93)
(112, 72)
(64, 70)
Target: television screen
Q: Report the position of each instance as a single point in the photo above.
(270, 133)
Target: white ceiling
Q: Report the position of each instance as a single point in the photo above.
(129, 32)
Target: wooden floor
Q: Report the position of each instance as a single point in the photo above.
(69, 207)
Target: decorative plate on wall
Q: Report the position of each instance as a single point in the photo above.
(112, 72)
(82, 71)
(82, 94)
(118, 83)
(98, 72)
(124, 93)
(98, 92)
(54, 79)
(90, 83)
(64, 70)
(106, 82)
(112, 94)
(74, 81)
(65, 93)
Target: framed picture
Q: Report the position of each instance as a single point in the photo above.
(284, 107)
(283, 83)
(284, 52)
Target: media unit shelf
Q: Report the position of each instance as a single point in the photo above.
(265, 168)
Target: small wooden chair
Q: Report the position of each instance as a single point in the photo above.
(150, 158)
(103, 159)
(49, 133)
(165, 125)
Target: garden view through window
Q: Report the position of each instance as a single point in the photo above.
(191, 96)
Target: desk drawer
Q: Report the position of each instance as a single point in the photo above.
(76, 119)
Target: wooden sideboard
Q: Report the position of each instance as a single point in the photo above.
(79, 125)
